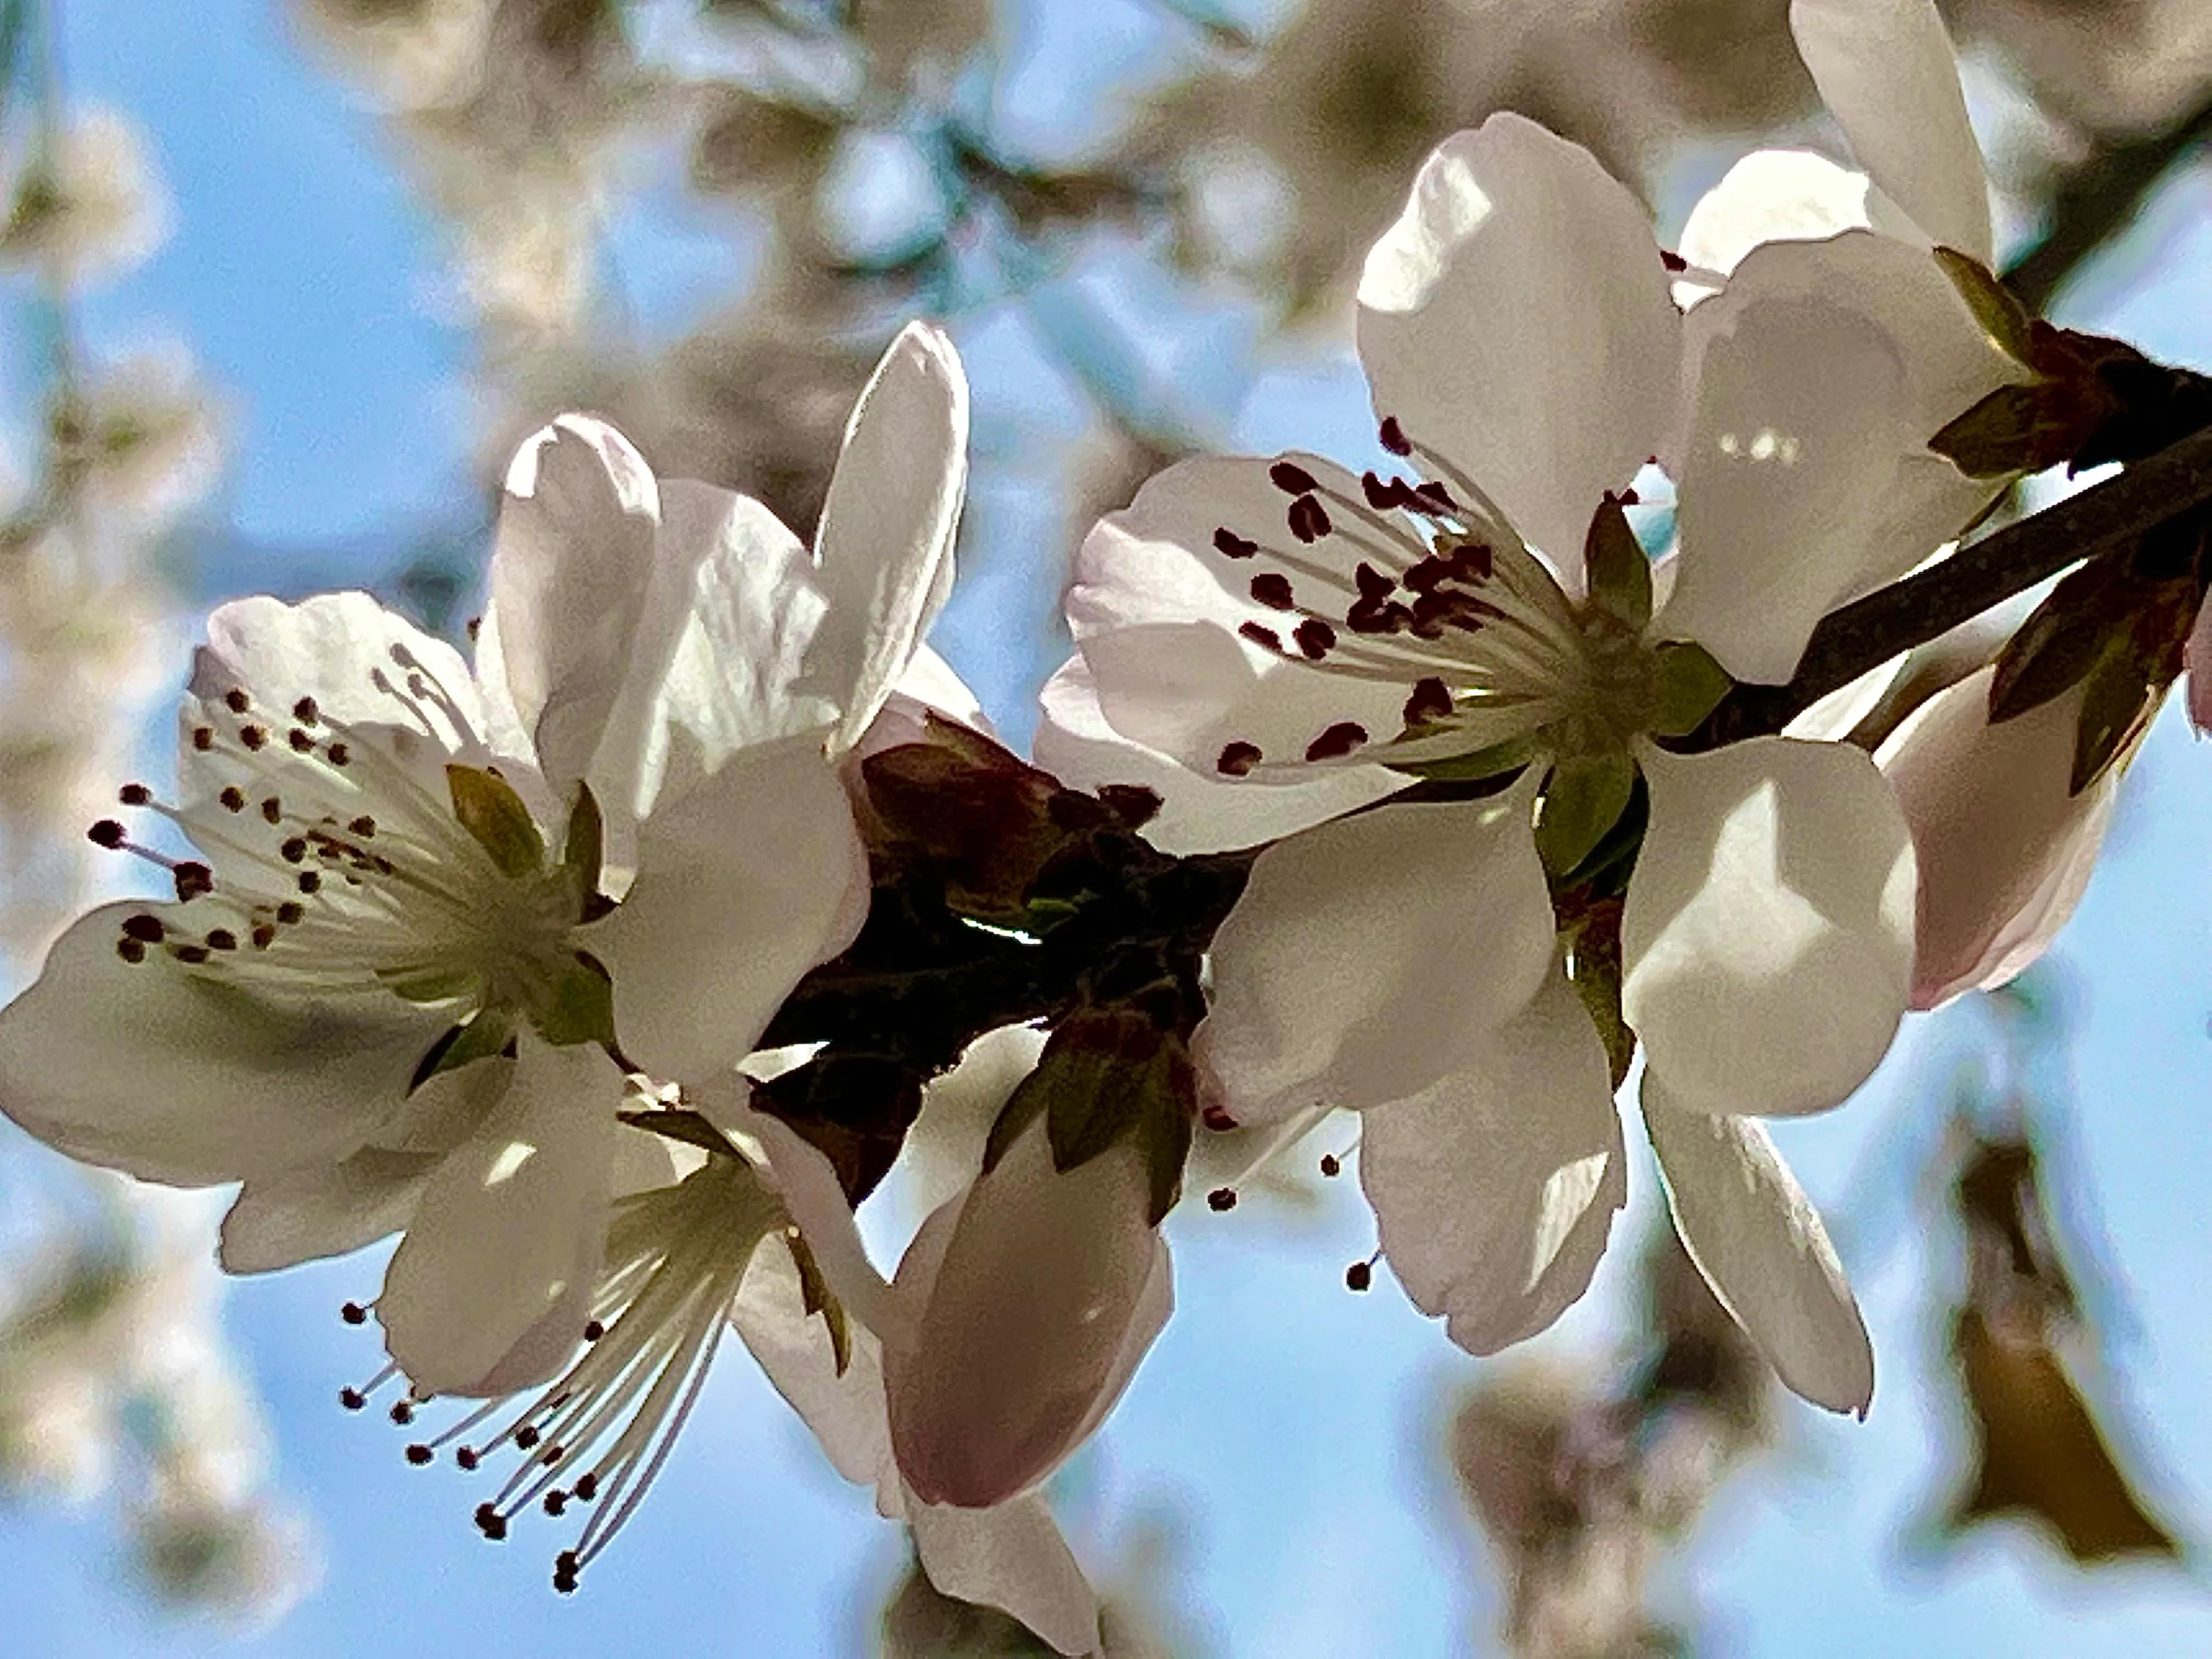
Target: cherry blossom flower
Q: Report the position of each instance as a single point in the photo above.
(1816, 264)
(433, 914)
(1289, 624)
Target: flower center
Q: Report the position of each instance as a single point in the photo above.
(1424, 584)
(332, 865)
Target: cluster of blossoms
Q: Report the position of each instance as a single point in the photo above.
(491, 953)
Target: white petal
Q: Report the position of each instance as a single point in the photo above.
(1198, 813)
(844, 1409)
(749, 616)
(569, 571)
(2004, 851)
(1818, 376)
(930, 687)
(1495, 1187)
(488, 1291)
(1766, 944)
(1012, 1558)
(944, 1149)
(1370, 957)
(1516, 318)
(884, 545)
(1156, 608)
(1760, 1244)
(355, 659)
(322, 1209)
(805, 1182)
(1024, 1344)
(176, 1077)
(1773, 195)
(1886, 72)
(746, 879)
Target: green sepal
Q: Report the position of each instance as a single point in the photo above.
(2082, 621)
(1592, 942)
(583, 850)
(489, 809)
(480, 1038)
(815, 1296)
(580, 1007)
(1108, 1076)
(1618, 568)
(2009, 431)
(680, 1123)
(1690, 686)
(1476, 768)
(1582, 798)
(2121, 696)
(2002, 318)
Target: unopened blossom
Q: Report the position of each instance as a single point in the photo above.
(1009, 1554)
(1046, 1288)
(1285, 623)
(436, 912)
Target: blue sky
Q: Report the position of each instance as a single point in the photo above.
(1287, 1427)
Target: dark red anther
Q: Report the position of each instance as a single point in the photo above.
(593, 1330)
(106, 833)
(1384, 495)
(233, 799)
(1358, 1276)
(1221, 1199)
(134, 794)
(144, 928)
(1230, 545)
(1340, 738)
(1673, 260)
(252, 736)
(352, 1398)
(1433, 497)
(1330, 1166)
(1238, 759)
(1432, 701)
(1262, 636)
(490, 1523)
(1273, 589)
(420, 1455)
(131, 950)
(588, 1488)
(1315, 637)
(403, 1412)
(1293, 479)
(1393, 437)
(222, 939)
(236, 701)
(192, 878)
(525, 1437)
(467, 1458)
(1308, 519)
(1216, 1119)
(1373, 584)
(203, 738)
(337, 754)
(305, 711)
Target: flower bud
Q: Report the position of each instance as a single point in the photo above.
(2004, 850)
(1037, 1300)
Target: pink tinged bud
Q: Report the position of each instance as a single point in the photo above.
(2004, 853)
(2197, 657)
(1048, 1290)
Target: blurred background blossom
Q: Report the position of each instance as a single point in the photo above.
(402, 233)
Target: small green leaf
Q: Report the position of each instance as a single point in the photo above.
(1582, 798)
(583, 849)
(1476, 768)
(1620, 570)
(1593, 963)
(1691, 686)
(2001, 315)
(488, 1034)
(580, 1007)
(815, 1296)
(2003, 433)
(2082, 621)
(491, 810)
(2122, 696)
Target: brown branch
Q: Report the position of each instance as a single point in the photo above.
(1868, 632)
